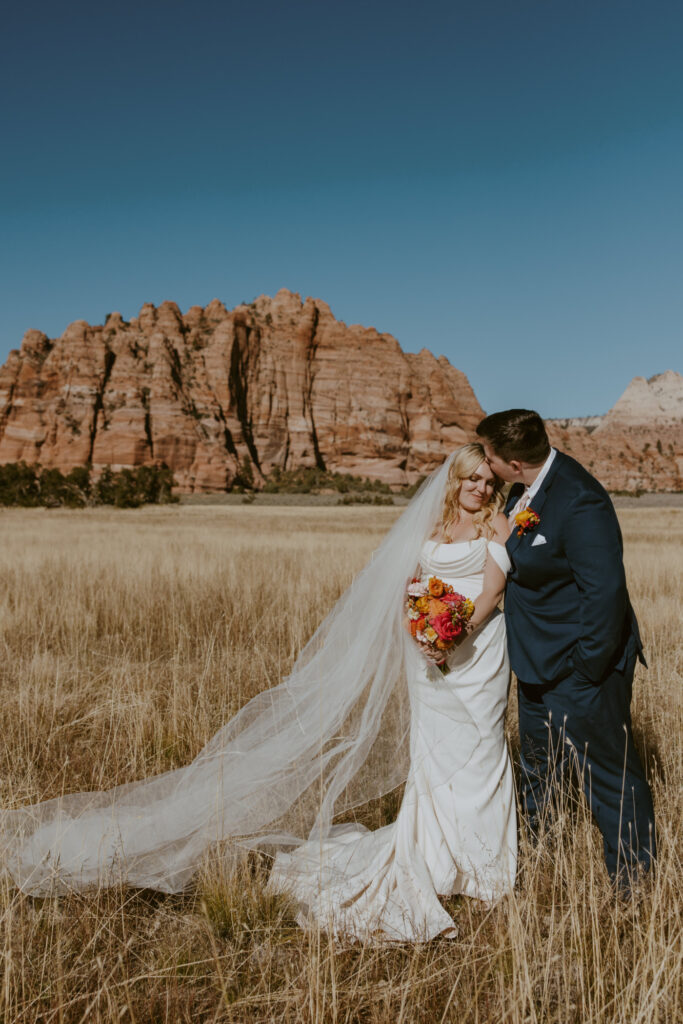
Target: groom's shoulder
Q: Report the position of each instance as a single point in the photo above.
(572, 479)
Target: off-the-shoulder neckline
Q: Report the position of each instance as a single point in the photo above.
(459, 543)
(453, 543)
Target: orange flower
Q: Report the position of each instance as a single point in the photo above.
(437, 607)
(435, 586)
(442, 645)
(526, 521)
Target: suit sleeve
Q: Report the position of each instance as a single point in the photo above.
(594, 552)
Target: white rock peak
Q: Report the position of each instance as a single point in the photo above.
(659, 399)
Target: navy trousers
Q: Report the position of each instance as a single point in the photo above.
(589, 724)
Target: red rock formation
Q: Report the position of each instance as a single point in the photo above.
(638, 444)
(279, 382)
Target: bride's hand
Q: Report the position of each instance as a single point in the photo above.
(467, 630)
(432, 656)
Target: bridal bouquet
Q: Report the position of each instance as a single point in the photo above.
(436, 616)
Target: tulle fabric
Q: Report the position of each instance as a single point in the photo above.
(332, 735)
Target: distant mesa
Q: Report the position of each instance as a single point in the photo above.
(657, 400)
(219, 395)
(638, 444)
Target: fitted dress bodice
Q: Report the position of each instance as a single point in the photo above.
(461, 563)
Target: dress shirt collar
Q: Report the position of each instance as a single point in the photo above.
(535, 486)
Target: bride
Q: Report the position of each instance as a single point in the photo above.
(362, 711)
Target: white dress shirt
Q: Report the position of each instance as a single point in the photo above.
(527, 495)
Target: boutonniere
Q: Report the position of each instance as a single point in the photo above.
(526, 521)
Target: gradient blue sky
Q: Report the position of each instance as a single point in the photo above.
(498, 181)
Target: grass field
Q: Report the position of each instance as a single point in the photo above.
(128, 638)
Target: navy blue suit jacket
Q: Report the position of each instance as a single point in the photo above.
(567, 608)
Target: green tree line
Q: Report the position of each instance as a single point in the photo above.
(31, 485)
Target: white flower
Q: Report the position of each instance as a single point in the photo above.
(418, 590)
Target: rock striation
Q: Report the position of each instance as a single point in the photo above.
(221, 395)
(216, 394)
(638, 444)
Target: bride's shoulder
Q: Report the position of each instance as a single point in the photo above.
(501, 528)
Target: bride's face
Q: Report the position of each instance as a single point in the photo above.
(477, 490)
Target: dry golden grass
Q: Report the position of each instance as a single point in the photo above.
(128, 638)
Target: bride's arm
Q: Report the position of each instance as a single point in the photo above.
(494, 578)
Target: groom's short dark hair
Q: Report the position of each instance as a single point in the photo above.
(516, 434)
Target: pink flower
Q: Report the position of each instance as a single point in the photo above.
(445, 627)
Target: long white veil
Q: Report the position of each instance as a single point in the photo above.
(332, 735)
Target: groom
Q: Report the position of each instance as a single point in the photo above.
(572, 635)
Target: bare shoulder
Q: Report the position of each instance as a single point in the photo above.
(501, 528)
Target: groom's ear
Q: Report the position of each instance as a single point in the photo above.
(516, 467)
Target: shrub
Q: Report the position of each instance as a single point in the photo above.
(130, 488)
(245, 476)
(19, 484)
(24, 485)
(311, 480)
(411, 489)
(72, 490)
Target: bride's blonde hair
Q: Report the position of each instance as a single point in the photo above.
(467, 461)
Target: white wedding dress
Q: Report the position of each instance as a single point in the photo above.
(456, 827)
(359, 713)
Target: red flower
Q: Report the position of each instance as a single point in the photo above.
(445, 627)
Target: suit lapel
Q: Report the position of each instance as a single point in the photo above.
(537, 502)
(513, 541)
(515, 492)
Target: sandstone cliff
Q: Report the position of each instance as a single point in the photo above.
(279, 382)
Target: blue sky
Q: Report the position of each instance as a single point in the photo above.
(497, 181)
